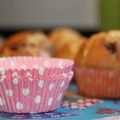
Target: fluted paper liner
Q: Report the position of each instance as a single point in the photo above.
(32, 90)
(97, 83)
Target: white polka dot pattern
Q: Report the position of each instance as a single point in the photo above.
(30, 78)
(22, 63)
(62, 84)
(2, 102)
(2, 71)
(19, 106)
(51, 86)
(70, 75)
(41, 71)
(41, 83)
(50, 101)
(15, 80)
(28, 74)
(3, 78)
(32, 84)
(37, 99)
(38, 93)
(15, 74)
(9, 92)
(25, 91)
(59, 97)
(64, 75)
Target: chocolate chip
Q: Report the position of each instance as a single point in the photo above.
(111, 47)
(14, 48)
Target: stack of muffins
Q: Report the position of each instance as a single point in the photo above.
(60, 43)
(97, 59)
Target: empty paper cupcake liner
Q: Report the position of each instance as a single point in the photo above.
(35, 62)
(32, 90)
(97, 83)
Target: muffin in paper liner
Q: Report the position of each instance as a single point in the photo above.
(32, 90)
(97, 83)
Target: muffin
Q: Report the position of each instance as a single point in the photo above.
(27, 43)
(66, 42)
(69, 50)
(97, 69)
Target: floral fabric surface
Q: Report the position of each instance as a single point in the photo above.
(75, 107)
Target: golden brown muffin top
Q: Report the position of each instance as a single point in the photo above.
(102, 50)
(33, 43)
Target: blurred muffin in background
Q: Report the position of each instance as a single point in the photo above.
(27, 43)
(69, 50)
(97, 66)
(66, 42)
(102, 50)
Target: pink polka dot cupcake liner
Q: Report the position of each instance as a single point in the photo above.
(33, 85)
(97, 83)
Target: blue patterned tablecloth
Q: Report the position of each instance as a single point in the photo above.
(75, 107)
